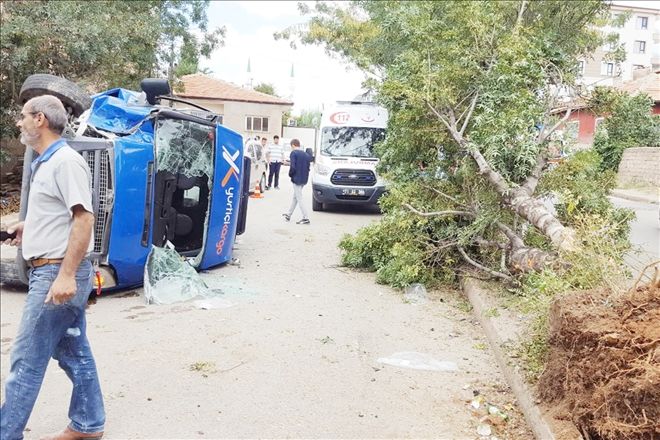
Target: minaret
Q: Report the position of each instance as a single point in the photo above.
(248, 83)
(292, 84)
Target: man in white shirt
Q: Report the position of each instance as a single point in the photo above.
(56, 238)
(275, 157)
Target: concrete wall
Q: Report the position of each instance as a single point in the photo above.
(640, 166)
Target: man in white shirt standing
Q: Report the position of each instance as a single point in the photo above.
(275, 157)
(56, 237)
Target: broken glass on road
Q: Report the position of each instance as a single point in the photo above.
(168, 278)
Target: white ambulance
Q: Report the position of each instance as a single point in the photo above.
(344, 170)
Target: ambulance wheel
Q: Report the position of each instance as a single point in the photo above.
(316, 206)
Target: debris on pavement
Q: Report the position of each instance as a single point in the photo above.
(212, 303)
(168, 278)
(415, 294)
(418, 361)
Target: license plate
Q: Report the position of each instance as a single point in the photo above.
(352, 192)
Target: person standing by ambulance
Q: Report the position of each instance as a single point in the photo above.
(299, 173)
(275, 157)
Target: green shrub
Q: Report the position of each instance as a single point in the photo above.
(629, 124)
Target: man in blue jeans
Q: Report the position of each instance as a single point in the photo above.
(55, 238)
(299, 173)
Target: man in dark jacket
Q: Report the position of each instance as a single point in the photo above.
(299, 173)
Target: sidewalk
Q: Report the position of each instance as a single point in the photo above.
(646, 194)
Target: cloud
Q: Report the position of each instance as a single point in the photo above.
(270, 9)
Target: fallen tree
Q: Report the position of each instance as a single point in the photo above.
(470, 88)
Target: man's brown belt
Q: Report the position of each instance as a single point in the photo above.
(38, 262)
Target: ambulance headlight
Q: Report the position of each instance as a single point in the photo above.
(323, 170)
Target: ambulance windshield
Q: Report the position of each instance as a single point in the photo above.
(350, 141)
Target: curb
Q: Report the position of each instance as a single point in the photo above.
(539, 426)
(636, 197)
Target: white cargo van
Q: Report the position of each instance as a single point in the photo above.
(344, 170)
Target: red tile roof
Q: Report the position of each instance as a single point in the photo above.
(649, 84)
(204, 87)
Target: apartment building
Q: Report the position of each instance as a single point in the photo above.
(640, 36)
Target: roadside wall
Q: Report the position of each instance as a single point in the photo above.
(640, 165)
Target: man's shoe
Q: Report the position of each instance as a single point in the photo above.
(304, 221)
(277, 187)
(267, 187)
(70, 434)
(287, 217)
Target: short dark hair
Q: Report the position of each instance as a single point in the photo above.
(295, 142)
(276, 137)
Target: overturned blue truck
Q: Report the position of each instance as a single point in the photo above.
(161, 176)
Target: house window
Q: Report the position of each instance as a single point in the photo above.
(599, 120)
(607, 69)
(642, 23)
(256, 123)
(581, 67)
(640, 47)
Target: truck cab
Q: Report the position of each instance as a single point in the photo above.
(160, 177)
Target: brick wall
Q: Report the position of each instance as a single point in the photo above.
(640, 165)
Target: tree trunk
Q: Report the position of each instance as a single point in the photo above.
(527, 259)
(526, 206)
(535, 212)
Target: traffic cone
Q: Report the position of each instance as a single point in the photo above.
(257, 193)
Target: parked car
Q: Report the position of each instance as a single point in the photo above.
(159, 175)
(259, 166)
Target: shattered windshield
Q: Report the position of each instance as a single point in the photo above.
(350, 141)
(184, 147)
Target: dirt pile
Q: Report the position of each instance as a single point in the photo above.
(604, 362)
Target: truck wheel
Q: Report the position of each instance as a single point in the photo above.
(316, 206)
(9, 273)
(74, 98)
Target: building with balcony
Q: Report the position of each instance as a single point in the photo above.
(640, 37)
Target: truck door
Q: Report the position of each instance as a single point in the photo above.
(225, 200)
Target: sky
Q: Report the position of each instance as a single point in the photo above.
(318, 78)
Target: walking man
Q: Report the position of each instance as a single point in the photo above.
(299, 173)
(275, 157)
(55, 237)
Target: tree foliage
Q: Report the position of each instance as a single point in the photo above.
(469, 87)
(309, 118)
(629, 123)
(99, 45)
(266, 88)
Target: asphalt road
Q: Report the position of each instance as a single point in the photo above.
(295, 356)
(644, 233)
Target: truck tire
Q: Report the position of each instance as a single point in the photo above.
(9, 273)
(75, 100)
(316, 206)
